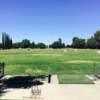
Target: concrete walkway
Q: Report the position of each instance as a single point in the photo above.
(55, 91)
(71, 92)
(54, 79)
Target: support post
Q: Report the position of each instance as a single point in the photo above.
(2, 69)
(49, 78)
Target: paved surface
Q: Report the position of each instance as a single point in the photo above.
(72, 92)
(54, 79)
(54, 91)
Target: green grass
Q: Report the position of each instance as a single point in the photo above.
(74, 79)
(18, 61)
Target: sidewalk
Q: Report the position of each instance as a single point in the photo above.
(55, 91)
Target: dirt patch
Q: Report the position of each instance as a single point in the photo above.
(47, 54)
(75, 50)
(81, 61)
(65, 50)
(98, 51)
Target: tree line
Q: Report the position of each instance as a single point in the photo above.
(93, 42)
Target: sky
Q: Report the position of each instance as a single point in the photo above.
(47, 20)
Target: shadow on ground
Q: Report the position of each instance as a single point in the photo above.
(23, 81)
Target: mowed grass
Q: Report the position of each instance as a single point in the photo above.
(60, 61)
(74, 79)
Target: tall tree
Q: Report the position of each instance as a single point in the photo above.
(25, 43)
(57, 44)
(33, 45)
(17, 45)
(78, 43)
(91, 43)
(97, 38)
(6, 41)
(41, 45)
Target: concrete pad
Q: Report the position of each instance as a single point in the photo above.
(55, 91)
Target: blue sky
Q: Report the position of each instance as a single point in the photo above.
(47, 20)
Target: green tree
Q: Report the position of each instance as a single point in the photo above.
(25, 43)
(91, 43)
(78, 43)
(6, 41)
(33, 45)
(17, 45)
(0, 45)
(97, 38)
(57, 44)
(41, 45)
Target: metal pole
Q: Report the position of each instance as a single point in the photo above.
(94, 69)
(49, 75)
(3, 65)
(48, 70)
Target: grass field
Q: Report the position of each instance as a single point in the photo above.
(74, 79)
(61, 61)
(71, 65)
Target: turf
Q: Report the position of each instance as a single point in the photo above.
(30, 61)
(74, 79)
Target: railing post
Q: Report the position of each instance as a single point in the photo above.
(49, 78)
(2, 69)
